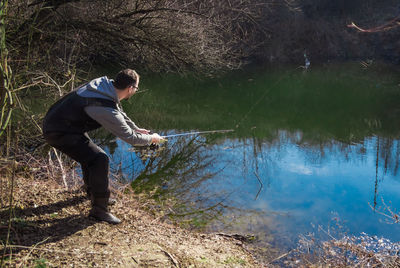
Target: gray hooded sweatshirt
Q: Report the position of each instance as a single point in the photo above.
(114, 120)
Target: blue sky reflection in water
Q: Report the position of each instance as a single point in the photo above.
(325, 146)
(300, 190)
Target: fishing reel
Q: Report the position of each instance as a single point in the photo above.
(154, 146)
(146, 152)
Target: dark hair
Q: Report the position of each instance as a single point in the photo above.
(125, 78)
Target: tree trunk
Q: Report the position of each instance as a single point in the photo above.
(6, 98)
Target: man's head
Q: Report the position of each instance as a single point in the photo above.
(127, 83)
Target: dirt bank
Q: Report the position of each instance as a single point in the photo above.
(51, 229)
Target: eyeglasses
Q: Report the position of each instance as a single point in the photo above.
(136, 88)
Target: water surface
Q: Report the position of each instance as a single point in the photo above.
(311, 151)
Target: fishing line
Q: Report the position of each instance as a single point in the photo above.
(141, 91)
(197, 133)
(268, 89)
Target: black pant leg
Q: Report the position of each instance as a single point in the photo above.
(86, 176)
(94, 161)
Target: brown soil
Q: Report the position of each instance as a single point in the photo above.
(51, 228)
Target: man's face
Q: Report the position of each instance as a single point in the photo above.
(133, 89)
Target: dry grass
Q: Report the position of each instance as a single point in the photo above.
(50, 228)
(349, 251)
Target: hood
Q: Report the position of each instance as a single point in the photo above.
(101, 87)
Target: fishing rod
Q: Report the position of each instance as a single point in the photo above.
(197, 133)
(154, 146)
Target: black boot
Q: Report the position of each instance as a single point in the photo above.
(86, 189)
(100, 211)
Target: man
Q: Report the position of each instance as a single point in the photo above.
(89, 107)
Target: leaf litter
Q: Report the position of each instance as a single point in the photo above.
(51, 228)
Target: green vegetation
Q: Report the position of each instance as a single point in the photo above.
(40, 263)
(234, 260)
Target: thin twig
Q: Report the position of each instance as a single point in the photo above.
(261, 184)
(175, 262)
(134, 259)
(26, 86)
(62, 169)
(280, 257)
(57, 251)
(31, 250)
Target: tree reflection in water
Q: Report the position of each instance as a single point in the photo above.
(194, 170)
(180, 174)
(211, 181)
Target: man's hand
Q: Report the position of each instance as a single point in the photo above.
(143, 131)
(156, 139)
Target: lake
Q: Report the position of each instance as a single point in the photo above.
(311, 152)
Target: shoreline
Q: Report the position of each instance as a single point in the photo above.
(51, 228)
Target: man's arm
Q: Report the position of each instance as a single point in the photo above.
(129, 121)
(133, 125)
(115, 122)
